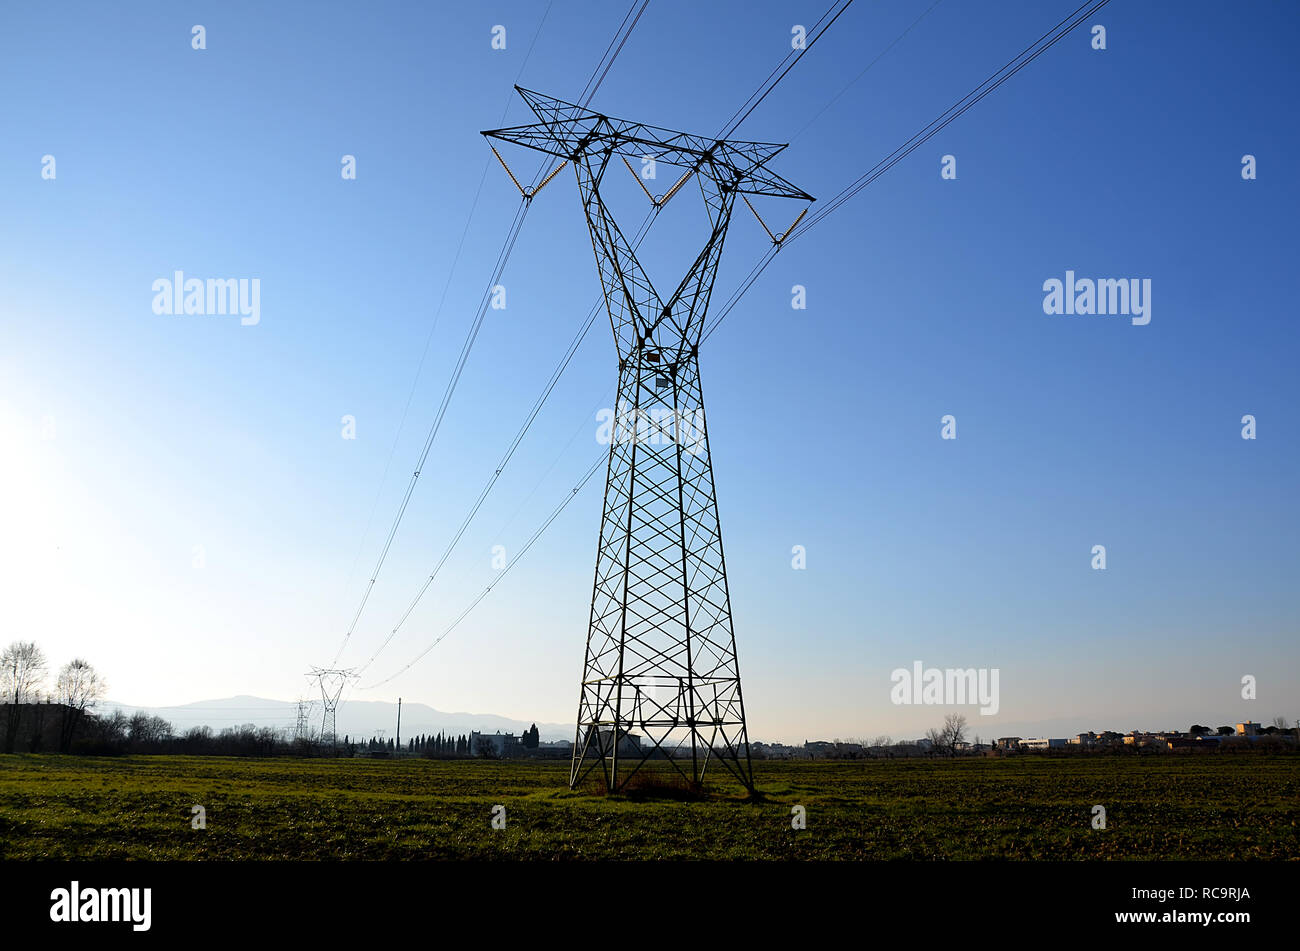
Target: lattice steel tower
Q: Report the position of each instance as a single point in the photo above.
(661, 652)
(300, 730)
(331, 681)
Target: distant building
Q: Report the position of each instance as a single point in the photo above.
(774, 751)
(1139, 738)
(497, 745)
(1249, 728)
(1007, 742)
(629, 744)
(558, 749)
(1043, 743)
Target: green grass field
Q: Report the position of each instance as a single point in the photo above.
(1157, 807)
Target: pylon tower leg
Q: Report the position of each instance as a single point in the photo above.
(661, 662)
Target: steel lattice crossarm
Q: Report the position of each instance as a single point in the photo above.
(569, 131)
(668, 329)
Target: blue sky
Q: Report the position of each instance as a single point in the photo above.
(135, 443)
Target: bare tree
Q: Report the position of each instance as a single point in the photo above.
(937, 739)
(22, 675)
(953, 732)
(78, 689)
(145, 730)
(1280, 723)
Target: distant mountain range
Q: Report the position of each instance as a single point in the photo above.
(356, 718)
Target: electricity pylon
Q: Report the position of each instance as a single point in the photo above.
(661, 651)
(332, 682)
(300, 729)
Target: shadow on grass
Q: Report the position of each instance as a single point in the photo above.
(663, 785)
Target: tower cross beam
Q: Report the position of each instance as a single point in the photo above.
(569, 131)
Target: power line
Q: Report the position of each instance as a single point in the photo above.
(1028, 55)
(583, 426)
(854, 81)
(752, 102)
(536, 408)
(621, 43)
(746, 109)
(563, 364)
(595, 467)
(1017, 63)
(428, 340)
(503, 257)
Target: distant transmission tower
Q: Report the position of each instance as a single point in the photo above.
(331, 681)
(661, 651)
(300, 729)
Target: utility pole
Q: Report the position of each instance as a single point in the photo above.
(399, 725)
(661, 650)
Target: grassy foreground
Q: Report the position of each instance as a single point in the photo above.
(1157, 807)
